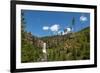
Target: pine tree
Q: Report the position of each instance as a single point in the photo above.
(73, 22)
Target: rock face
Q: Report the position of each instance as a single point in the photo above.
(29, 38)
(34, 40)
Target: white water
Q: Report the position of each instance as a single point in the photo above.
(44, 48)
(44, 53)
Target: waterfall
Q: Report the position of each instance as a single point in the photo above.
(44, 48)
(44, 52)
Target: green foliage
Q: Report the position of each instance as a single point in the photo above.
(66, 47)
(59, 48)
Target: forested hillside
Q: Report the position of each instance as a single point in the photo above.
(73, 46)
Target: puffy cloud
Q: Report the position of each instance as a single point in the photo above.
(55, 27)
(45, 28)
(68, 29)
(83, 18)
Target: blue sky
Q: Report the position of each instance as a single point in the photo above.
(45, 23)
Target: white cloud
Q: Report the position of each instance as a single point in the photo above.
(45, 28)
(83, 18)
(68, 29)
(55, 27)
